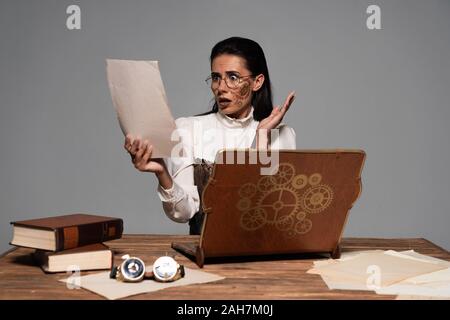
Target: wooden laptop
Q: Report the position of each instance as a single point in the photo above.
(302, 208)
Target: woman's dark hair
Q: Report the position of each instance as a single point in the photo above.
(256, 63)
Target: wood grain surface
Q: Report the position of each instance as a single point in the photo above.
(275, 277)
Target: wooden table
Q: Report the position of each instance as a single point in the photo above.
(283, 278)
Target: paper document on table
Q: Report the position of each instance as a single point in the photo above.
(102, 284)
(406, 273)
(141, 104)
(392, 268)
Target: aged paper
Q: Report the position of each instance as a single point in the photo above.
(101, 284)
(392, 269)
(141, 104)
(339, 282)
(411, 254)
(431, 285)
(435, 290)
(434, 285)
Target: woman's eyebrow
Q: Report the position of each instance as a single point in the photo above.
(232, 72)
(227, 72)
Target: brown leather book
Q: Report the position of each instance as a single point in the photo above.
(66, 231)
(95, 256)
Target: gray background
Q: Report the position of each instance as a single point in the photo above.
(385, 91)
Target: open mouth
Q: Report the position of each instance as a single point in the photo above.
(223, 102)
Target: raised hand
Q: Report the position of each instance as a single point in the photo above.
(274, 119)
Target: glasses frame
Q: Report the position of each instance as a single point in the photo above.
(221, 78)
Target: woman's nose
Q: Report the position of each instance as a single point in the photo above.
(222, 85)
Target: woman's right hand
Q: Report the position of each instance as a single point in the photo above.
(141, 155)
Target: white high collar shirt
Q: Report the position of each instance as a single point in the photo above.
(202, 137)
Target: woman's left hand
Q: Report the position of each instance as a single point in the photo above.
(274, 119)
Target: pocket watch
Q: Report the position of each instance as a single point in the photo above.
(166, 269)
(132, 269)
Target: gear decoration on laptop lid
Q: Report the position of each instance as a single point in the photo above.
(316, 199)
(283, 200)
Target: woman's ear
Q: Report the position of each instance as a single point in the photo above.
(258, 82)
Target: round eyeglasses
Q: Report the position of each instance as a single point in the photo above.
(232, 80)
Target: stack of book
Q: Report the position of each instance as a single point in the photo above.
(69, 242)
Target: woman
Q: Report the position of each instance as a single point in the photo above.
(242, 115)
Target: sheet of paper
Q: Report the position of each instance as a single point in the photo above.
(138, 95)
(101, 284)
(411, 297)
(338, 282)
(411, 254)
(440, 276)
(391, 268)
(442, 291)
(344, 256)
(433, 285)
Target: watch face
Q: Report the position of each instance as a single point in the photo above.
(165, 268)
(133, 268)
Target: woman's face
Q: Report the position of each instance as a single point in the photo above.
(234, 102)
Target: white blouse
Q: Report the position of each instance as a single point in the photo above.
(201, 137)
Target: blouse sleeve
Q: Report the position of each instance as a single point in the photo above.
(182, 200)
